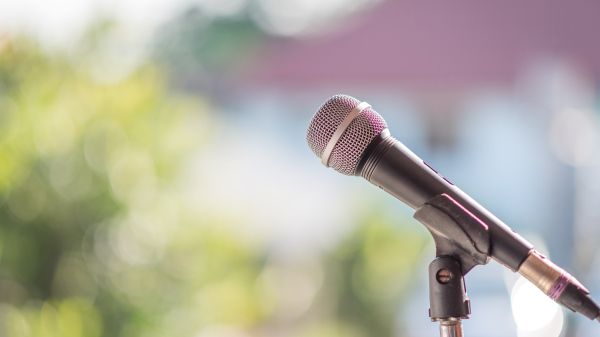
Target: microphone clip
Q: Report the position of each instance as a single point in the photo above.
(462, 242)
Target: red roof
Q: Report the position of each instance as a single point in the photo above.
(416, 44)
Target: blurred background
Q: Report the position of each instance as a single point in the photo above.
(155, 178)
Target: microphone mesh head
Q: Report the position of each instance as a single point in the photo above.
(352, 144)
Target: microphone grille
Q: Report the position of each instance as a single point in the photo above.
(350, 147)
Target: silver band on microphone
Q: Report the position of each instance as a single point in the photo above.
(340, 131)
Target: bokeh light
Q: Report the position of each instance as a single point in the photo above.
(534, 313)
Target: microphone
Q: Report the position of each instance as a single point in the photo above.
(352, 138)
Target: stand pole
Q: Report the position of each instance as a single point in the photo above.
(451, 328)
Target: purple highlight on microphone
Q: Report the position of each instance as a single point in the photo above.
(473, 216)
(559, 287)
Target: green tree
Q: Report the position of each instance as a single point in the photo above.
(93, 241)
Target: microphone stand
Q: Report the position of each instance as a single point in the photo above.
(462, 242)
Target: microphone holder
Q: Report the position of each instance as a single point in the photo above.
(462, 242)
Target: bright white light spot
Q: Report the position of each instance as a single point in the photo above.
(535, 314)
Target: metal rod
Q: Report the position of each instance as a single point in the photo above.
(451, 328)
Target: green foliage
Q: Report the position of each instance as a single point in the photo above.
(374, 268)
(85, 168)
(97, 238)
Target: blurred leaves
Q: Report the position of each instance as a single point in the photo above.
(96, 239)
(210, 49)
(375, 266)
(82, 158)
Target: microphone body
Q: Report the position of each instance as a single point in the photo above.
(390, 165)
(353, 139)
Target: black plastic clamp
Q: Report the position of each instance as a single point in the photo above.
(462, 241)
